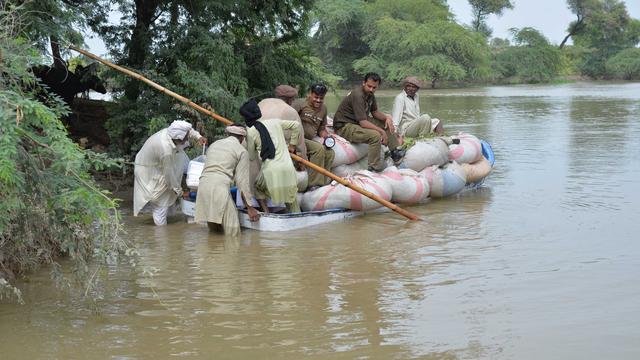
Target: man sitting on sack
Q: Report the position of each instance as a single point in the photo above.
(359, 121)
(407, 119)
(313, 113)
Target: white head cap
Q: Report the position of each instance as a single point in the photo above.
(179, 129)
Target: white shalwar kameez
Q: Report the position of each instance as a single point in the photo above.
(407, 118)
(159, 167)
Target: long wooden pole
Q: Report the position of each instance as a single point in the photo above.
(307, 163)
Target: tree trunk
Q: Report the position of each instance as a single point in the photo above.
(139, 44)
(138, 49)
(574, 30)
(55, 52)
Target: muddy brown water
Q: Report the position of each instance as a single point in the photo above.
(540, 263)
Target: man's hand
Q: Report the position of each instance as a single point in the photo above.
(254, 215)
(292, 149)
(202, 141)
(400, 139)
(388, 124)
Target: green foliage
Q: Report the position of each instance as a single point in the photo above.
(49, 206)
(338, 40)
(419, 38)
(531, 60)
(480, 9)
(215, 53)
(625, 64)
(608, 29)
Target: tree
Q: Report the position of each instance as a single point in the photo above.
(607, 30)
(482, 8)
(420, 38)
(213, 52)
(532, 59)
(338, 40)
(49, 205)
(625, 64)
(582, 10)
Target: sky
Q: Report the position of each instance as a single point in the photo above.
(550, 17)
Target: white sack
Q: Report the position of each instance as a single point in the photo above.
(446, 180)
(425, 153)
(407, 186)
(468, 151)
(336, 195)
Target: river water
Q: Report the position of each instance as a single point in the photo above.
(540, 263)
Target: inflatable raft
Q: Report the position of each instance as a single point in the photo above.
(402, 184)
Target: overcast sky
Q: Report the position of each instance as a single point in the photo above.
(550, 17)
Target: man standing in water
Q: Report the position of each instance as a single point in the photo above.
(313, 113)
(352, 122)
(159, 167)
(407, 119)
(227, 160)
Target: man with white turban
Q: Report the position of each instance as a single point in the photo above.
(406, 112)
(227, 161)
(159, 167)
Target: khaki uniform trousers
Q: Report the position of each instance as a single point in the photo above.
(357, 134)
(321, 156)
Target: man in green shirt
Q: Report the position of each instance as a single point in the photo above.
(359, 121)
(313, 113)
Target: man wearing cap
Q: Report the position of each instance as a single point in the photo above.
(265, 140)
(159, 167)
(227, 161)
(313, 113)
(352, 121)
(286, 93)
(407, 119)
(280, 108)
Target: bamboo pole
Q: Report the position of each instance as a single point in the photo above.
(307, 163)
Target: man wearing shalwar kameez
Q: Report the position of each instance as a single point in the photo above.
(407, 119)
(159, 167)
(277, 177)
(227, 160)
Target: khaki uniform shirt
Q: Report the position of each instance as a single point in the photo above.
(313, 120)
(354, 107)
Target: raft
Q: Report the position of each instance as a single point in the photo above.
(291, 221)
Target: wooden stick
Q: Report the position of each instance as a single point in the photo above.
(307, 163)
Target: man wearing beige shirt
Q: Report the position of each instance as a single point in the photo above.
(407, 119)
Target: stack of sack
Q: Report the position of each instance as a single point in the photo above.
(434, 168)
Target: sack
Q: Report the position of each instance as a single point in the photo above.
(445, 180)
(425, 153)
(302, 178)
(348, 153)
(194, 170)
(477, 171)
(337, 195)
(349, 169)
(407, 186)
(468, 151)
